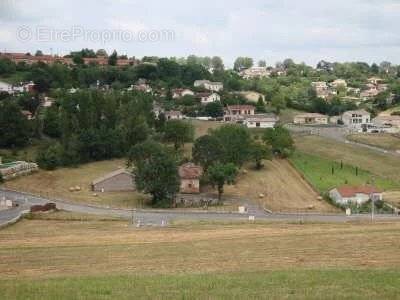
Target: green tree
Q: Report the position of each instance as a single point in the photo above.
(278, 102)
(207, 150)
(280, 140)
(214, 109)
(178, 132)
(113, 58)
(260, 152)
(242, 63)
(235, 141)
(217, 64)
(51, 122)
(15, 129)
(262, 63)
(260, 106)
(39, 53)
(221, 174)
(49, 156)
(155, 171)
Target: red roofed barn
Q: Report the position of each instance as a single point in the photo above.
(190, 175)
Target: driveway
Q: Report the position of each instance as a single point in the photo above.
(163, 217)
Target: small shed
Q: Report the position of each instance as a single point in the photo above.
(190, 175)
(118, 181)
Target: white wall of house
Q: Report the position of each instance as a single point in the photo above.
(358, 199)
(211, 98)
(260, 124)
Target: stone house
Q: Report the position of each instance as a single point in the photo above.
(118, 181)
(190, 175)
(236, 113)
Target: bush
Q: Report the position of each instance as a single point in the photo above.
(49, 158)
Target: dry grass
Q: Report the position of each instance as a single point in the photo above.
(56, 184)
(47, 249)
(283, 187)
(382, 140)
(202, 127)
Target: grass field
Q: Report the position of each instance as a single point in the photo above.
(385, 166)
(318, 171)
(282, 186)
(94, 259)
(56, 184)
(384, 141)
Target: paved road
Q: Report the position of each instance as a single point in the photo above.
(158, 218)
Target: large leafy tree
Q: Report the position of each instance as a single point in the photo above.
(280, 140)
(15, 129)
(235, 142)
(155, 171)
(221, 174)
(178, 133)
(207, 150)
(260, 152)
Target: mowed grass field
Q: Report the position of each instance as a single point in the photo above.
(381, 140)
(318, 171)
(56, 184)
(380, 164)
(96, 259)
(283, 189)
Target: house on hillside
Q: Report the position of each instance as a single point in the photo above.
(179, 93)
(311, 119)
(358, 120)
(255, 72)
(261, 121)
(173, 115)
(321, 89)
(338, 83)
(236, 113)
(346, 195)
(206, 98)
(190, 175)
(27, 114)
(208, 85)
(375, 80)
(118, 181)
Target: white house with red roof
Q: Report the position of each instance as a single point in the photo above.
(355, 195)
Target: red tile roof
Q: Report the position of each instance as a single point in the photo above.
(190, 171)
(350, 191)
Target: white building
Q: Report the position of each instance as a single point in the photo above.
(179, 93)
(206, 98)
(5, 87)
(261, 121)
(358, 120)
(255, 72)
(208, 85)
(355, 195)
